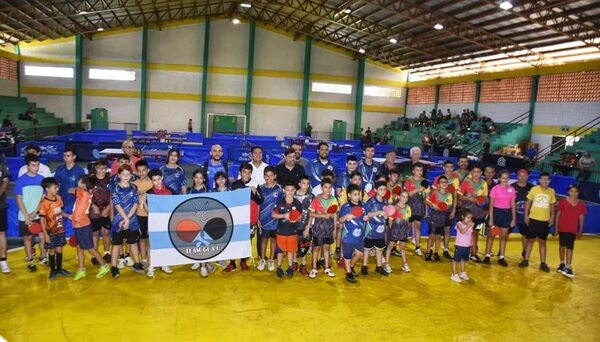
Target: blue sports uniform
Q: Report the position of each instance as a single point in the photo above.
(173, 178)
(126, 197)
(211, 170)
(353, 232)
(369, 174)
(314, 169)
(271, 196)
(376, 224)
(68, 180)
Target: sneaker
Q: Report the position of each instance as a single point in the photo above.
(261, 265)
(544, 267)
(418, 252)
(405, 268)
(121, 264)
(524, 263)
(144, 263)
(95, 262)
(52, 275)
(436, 257)
(244, 265)
(150, 272)
(560, 268)
(4, 266)
(350, 278)
(321, 263)
(290, 272)
(464, 276)
(336, 254)
(229, 268)
(381, 271)
(447, 254)
(106, 257)
(428, 256)
(364, 270)
(195, 266)
(303, 270)
(295, 266)
(166, 269)
(115, 272)
(396, 252)
(353, 272)
(137, 267)
(80, 274)
(104, 271)
(502, 262)
(31, 267)
(279, 273)
(203, 272)
(43, 261)
(210, 267)
(312, 274)
(129, 261)
(455, 278)
(271, 265)
(567, 272)
(329, 272)
(486, 260)
(222, 263)
(341, 263)
(475, 258)
(387, 268)
(63, 272)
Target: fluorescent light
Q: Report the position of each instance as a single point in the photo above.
(438, 26)
(100, 29)
(348, 10)
(246, 4)
(235, 21)
(332, 88)
(31, 70)
(506, 5)
(83, 12)
(112, 74)
(382, 91)
(393, 40)
(361, 50)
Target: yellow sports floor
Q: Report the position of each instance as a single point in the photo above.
(498, 304)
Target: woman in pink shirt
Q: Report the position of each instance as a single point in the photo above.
(502, 214)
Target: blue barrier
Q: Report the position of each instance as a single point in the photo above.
(239, 154)
(561, 183)
(383, 148)
(52, 150)
(194, 137)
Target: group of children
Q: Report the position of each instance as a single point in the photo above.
(363, 216)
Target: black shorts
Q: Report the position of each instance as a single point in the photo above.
(414, 218)
(449, 222)
(318, 241)
(268, 234)
(56, 241)
(538, 229)
(132, 237)
(143, 221)
(479, 222)
(3, 219)
(24, 229)
(377, 243)
(566, 240)
(99, 223)
(502, 217)
(523, 228)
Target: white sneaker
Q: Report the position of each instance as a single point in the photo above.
(329, 272)
(195, 266)
(271, 266)
(455, 278)
(203, 272)
(210, 267)
(387, 268)
(166, 269)
(464, 276)
(150, 272)
(144, 263)
(43, 261)
(312, 274)
(405, 268)
(4, 266)
(261, 265)
(121, 264)
(418, 252)
(129, 261)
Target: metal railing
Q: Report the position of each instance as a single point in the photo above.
(517, 120)
(559, 144)
(41, 132)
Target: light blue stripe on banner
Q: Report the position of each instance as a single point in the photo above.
(161, 240)
(166, 204)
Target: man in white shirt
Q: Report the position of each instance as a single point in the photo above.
(44, 169)
(258, 167)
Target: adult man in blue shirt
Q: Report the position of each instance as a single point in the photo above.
(67, 176)
(214, 165)
(322, 162)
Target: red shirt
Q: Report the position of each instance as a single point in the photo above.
(162, 191)
(568, 222)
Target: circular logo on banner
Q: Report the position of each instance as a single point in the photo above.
(200, 228)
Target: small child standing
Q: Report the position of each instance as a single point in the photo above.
(272, 193)
(324, 226)
(143, 185)
(100, 209)
(51, 218)
(462, 245)
(398, 232)
(353, 231)
(569, 225)
(158, 188)
(304, 196)
(286, 228)
(199, 186)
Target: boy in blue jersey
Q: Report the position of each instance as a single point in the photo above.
(173, 174)
(376, 224)
(315, 167)
(272, 193)
(29, 192)
(369, 168)
(353, 231)
(323, 211)
(344, 179)
(305, 197)
(123, 159)
(67, 176)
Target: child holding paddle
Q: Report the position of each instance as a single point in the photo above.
(453, 185)
(464, 234)
(473, 193)
(323, 210)
(438, 202)
(375, 235)
(352, 216)
(51, 218)
(417, 188)
(398, 232)
(272, 193)
(502, 215)
(305, 197)
(287, 213)
(570, 215)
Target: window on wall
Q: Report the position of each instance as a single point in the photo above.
(45, 71)
(333, 88)
(382, 91)
(112, 74)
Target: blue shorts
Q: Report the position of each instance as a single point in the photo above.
(461, 253)
(349, 248)
(56, 241)
(84, 237)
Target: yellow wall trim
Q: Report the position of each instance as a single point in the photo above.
(111, 93)
(278, 74)
(173, 96)
(331, 78)
(175, 67)
(36, 43)
(383, 109)
(47, 60)
(384, 83)
(226, 99)
(47, 91)
(111, 63)
(226, 70)
(556, 130)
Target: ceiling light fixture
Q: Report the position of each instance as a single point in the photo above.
(100, 29)
(506, 5)
(438, 26)
(235, 21)
(361, 50)
(348, 10)
(246, 4)
(83, 12)
(393, 40)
